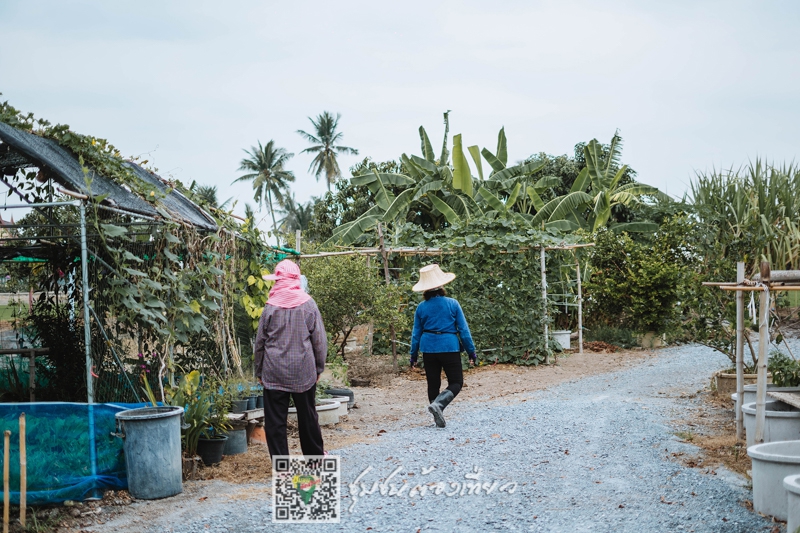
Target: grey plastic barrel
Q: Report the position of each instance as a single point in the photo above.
(152, 449)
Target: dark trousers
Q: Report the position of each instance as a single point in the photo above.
(276, 409)
(450, 362)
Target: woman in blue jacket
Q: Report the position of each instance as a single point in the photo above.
(441, 334)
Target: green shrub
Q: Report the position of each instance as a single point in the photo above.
(637, 285)
(785, 370)
(624, 338)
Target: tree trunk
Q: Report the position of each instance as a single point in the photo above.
(272, 212)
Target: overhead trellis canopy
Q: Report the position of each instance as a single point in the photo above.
(20, 150)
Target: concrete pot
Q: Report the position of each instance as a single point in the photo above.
(781, 422)
(772, 462)
(327, 412)
(726, 382)
(750, 391)
(343, 400)
(792, 486)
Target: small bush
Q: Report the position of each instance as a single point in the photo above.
(785, 370)
(624, 338)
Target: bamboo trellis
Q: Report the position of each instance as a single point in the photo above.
(785, 280)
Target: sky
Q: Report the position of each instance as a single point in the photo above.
(690, 85)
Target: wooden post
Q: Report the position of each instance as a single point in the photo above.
(580, 308)
(32, 375)
(23, 471)
(371, 330)
(6, 488)
(544, 303)
(739, 352)
(386, 275)
(763, 341)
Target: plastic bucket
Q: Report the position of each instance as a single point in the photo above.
(260, 401)
(562, 338)
(152, 449)
(251, 403)
(239, 406)
(236, 443)
(210, 450)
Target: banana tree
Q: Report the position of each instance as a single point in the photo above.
(596, 191)
(431, 192)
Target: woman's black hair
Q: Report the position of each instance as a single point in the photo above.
(434, 292)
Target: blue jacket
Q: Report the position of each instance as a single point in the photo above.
(440, 314)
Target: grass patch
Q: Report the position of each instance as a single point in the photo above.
(687, 436)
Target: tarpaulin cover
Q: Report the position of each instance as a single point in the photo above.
(25, 149)
(60, 451)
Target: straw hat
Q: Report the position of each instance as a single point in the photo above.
(432, 277)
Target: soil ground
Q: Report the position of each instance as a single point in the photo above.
(402, 399)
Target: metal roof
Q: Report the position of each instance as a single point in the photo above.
(20, 149)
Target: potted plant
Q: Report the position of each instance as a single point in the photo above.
(205, 416)
(238, 391)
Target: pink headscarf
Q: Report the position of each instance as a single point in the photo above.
(287, 291)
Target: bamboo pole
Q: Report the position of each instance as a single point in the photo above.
(580, 308)
(739, 352)
(32, 375)
(385, 258)
(6, 489)
(544, 303)
(763, 341)
(778, 288)
(23, 471)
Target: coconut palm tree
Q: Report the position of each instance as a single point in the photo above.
(324, 141)
(297, 216)
(265, 168)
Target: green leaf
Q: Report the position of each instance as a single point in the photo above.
(502, 146)
(512, 198)
(400, 205)
(110, 230)
(435, 185)
(195, 306)
(462, 177)
(424, 164)
(427, 149)
(443, 159)
(348, 233)
(493, 201)
(133, 272)
(171, 238)
(214, 294)
(581, 181)
(537, 201)
(635, 227)
(383, 197)
(474, 151)
(444, 209)
(129, 256)
(495, 163)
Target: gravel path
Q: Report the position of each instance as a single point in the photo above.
(592, 455)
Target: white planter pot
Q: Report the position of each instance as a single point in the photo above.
(781, 422)
(562, 337)
(792, 486)
(342, 404)
(772, 462)
(750, 391)
(327, 412)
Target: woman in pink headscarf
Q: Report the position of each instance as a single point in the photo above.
(290, 353)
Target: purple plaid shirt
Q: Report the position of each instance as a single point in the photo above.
(291, 347)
